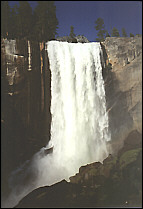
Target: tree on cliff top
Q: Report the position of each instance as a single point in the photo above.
(100, 27)
(131, 35)
(124, 34)
(24, 20)
(5, 17)
(45, 21)
(14, 23)
(107, 34)
(72, 34)
(115, 32)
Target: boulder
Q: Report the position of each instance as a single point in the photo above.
(67, 39)
(76, 39)
(81, 39)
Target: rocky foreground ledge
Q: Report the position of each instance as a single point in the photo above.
(115, 183)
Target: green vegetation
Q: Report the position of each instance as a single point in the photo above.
(45, 20)
(131, 35)
(115, 32)
(124, 34)
(100, 27)
(72, 34)
(24, 24)
(107, 34)
(129, 157)
(102, 33)
(14, 23)
(20, 22)
(5, 17)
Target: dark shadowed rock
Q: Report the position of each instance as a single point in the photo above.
(48, 151)
(132, 141)
(21, 107)
(53, 196)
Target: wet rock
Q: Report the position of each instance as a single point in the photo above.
(53, 196)
(132, 141)
(48, 151)
(120, 188)
(85, 173)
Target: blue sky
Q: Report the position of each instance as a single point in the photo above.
(83, 14)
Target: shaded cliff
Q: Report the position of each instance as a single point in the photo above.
(123, 85)
(25, 114)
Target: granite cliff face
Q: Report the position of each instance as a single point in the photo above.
(123, 84)
(23, 124)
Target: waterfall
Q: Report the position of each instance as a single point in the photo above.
(79, 128)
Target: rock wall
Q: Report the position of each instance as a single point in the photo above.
(123, 83)
(25, 105)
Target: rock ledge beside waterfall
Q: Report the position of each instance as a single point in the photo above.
(77, 39)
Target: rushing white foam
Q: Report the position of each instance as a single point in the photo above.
(79, 129)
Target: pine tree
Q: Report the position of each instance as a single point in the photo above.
(115, 32)
(124, 34)
(25, 20)
(131, 35)
(72, 34)
(101, 29)
(45, 21)
(5, 17)
(107, 34)
(13, 27)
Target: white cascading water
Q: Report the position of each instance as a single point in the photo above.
(79, 129)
